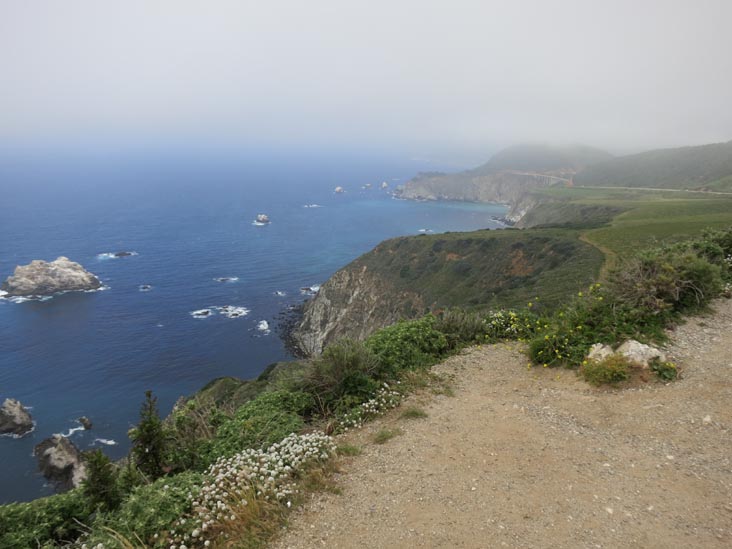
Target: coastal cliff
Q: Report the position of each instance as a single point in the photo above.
(407, 277)
(510, 177)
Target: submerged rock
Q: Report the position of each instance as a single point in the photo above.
(60, 461)
(42, 278)
(15, 418)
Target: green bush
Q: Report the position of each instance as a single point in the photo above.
(101, 486)
(503, 324)
(263, 421)
(666, 281)
(148, 439)
(407, 345)
(611, 370)
(460, 327)
(666, 371)
(45, 522)
(343, 376)
(148, 509)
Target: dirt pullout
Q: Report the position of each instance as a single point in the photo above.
(537, 458)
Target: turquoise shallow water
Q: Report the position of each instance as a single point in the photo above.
(189, 220)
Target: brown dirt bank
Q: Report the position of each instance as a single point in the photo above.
(537, 458)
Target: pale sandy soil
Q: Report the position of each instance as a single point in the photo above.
(538, 458)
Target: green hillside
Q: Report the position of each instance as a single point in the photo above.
(486, 269)
(681, 168)
(542, 158)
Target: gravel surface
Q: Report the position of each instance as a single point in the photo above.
(537, 458)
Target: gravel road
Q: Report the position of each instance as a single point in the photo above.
(539, 459)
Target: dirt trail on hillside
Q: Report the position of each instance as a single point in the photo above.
(539, 459)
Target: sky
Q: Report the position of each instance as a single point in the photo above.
(449, 79)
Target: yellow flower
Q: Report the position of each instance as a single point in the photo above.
(579, 294)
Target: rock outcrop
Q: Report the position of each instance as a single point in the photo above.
(42, 278)
(15, 418)
(352, 303)
(60, 461)
(86, 423)
(638, 353)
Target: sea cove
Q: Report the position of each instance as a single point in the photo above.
(185, 227)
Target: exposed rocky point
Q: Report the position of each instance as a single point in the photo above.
(86, 423)
(636, 352)
(15, 418)
(42, 278)
(60, 461)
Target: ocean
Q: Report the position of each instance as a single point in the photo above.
(188, 219)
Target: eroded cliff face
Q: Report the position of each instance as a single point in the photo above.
(353, 303)
(406, 277)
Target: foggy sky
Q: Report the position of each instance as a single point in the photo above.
(430, 77)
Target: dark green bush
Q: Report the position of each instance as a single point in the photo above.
(611, 370)
(101, 486)
(147, 510)
(267, 419)
(148, 439)
(44, 522)
(407, 345)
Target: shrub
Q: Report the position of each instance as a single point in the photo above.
(343, 376)
(44, 522)
(148, 439)
(101, 487)
(263, 421)
(666, 371)
(666, 281)
(407, 345)
(500, 325)
(611, 370)
(148, 510)
(460, 327)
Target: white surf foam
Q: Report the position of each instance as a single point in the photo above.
(113, 255)
(259, 224)
(310, 290)
(263, 326)
(202, 313)
(144, 287)
(230, 311)
(312, 206)
(3, 293)
(227, 279)
(13, 435)
(107, 441)
(425, 231)
(72, 431)
(280, 293)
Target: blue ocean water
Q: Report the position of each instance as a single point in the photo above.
(189, 220)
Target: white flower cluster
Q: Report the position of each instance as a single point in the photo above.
(503, 323)
(727, 290)
(385, 399)
(251, 473)
(728, 261)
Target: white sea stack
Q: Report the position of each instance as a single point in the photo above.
(43, 278)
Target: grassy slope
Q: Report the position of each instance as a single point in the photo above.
(682, 168)
(642, 217)
(487, 269)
